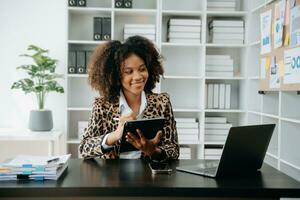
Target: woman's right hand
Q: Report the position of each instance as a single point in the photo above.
(117, 134)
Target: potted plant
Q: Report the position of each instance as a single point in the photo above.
(41, 81)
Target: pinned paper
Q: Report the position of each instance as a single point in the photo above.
(287, 39)
(295, 27)
(265, 31)
(279, 21)
(274, 74)
(292, 66)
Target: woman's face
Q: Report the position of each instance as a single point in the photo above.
(134, 75)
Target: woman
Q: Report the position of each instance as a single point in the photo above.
(125, 75)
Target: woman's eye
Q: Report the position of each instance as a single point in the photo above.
(127, 72)
(142, 69)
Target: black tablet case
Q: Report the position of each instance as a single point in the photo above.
(149, 128)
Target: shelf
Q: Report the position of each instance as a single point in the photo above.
(182, 77)
(77, 75)
(129, 12)
(254, 112)
(272, 155)
(73, 141)
(89, 10)
(188, 142)
(85, 42)
(254, 78)
(227, 13)
(269, 115)
(254, 43)
(79, 109)
(225, 78)
(225, 110)
(219, 45)
(187, 110)
(297, 121)
(290, 164)
(181, 12)
(257, 8)
(168, 44)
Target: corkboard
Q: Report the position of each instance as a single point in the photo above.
(279, 54)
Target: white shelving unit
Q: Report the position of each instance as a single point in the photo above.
(185, 76)
(273, 107)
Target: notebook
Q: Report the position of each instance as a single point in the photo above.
(243, 153)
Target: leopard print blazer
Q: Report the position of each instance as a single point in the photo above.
(101, 123)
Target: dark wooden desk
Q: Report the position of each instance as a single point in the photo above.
(132, 178)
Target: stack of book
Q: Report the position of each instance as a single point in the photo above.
(184, 30)
(227, 31)
(218, 95)
(216, 130)
(185, 153)
(221, 5)
(145, 30)
(219, 66)
(213, 152)
(27, 167)
(188, 130)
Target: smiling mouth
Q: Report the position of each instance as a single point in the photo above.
(138, 83)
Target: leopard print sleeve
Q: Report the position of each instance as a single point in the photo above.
(169, 141)
(90, 144)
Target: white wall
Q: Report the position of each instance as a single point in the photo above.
(39, 22)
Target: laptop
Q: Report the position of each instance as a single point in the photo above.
(243, 153)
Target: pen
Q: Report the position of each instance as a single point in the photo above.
(52, 160)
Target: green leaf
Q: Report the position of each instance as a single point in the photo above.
(42, 71)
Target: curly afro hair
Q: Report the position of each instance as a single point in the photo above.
(104, 68)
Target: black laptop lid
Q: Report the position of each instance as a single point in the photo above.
(245, 149)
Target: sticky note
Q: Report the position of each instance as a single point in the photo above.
(281, 68)
(268, 62)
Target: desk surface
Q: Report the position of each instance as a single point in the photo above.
(133, 178)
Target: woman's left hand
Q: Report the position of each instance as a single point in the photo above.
(149, 147)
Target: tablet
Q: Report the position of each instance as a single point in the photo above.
(149, 128)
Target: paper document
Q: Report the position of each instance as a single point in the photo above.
(292, 66)
(279, 20)
(274, 74)
(295, 27)
(265, 31)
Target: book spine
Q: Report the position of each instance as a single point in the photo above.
(189, 22)
(222, 96)
(216, 96)
(227, 96)
(210, 95)
(106, 28)
(183, 35)
(215, 120)
(97, 28)
(218, 126)
(187, 29)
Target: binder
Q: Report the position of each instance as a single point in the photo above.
(119, 4)
(127, 3)
(97, 28)
(81, 3)
(80, 62)
(106, 28)
(88, 55)
(72, 62)
(72, 3)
